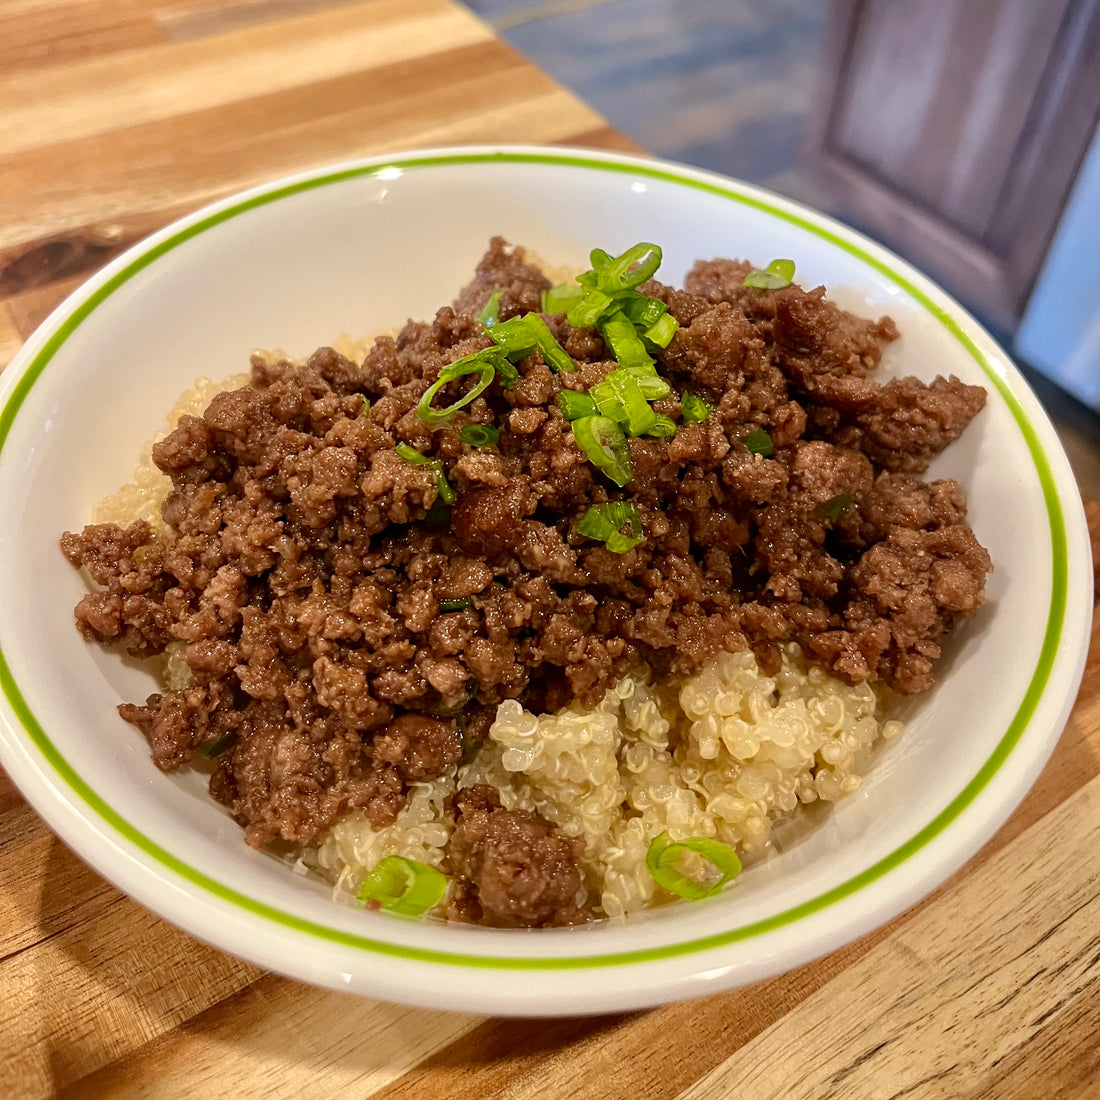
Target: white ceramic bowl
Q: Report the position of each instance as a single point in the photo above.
(360, 247)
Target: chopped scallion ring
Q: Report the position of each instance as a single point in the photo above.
(660, 861)
(403, 885)
(644, 311)
(662, 331)
(605, 523)
(622, 338)
(759, 443)
(479, 435)
(442, 485)
(834, 507)
(561, 298)
(603, 441)
(632, 268)
(638, 416)
(694, 409)
(553, 354)
(448, 607)
(515, 337)
(575, 405)
(592, 306)
(479, 363)
(775, 276)
(488, 316)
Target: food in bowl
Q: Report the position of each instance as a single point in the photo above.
(544, 610)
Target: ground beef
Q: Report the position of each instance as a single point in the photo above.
(347, 634)
(520, 868)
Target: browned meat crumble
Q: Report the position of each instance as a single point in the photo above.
(308, 561)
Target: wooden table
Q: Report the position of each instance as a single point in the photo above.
(117, 115)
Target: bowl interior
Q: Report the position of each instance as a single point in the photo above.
(363, 253)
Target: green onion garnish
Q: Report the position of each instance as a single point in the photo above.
(479, 363)
(364, 412)
(404, 886)
(592, 306)
(638, 416)
(479, 435)
(760, 443)
(447, 607)
(633, 267)
(607, 400)
(439, 515)
(553, 354)
(521, 335)
(210, 749)
(775, 276)
(694, 409)
(411, 454)
(662, 331)
(660, 861)
(650, 382)
(575, 405)
(488, 316)
(663, 427)
(622, 338)
(561, 298)
(604, 523)
(602, 440)
(442, 485)
(644, 311)
(834, 507)
(515, 337)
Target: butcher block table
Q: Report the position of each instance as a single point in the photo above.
(119, 115)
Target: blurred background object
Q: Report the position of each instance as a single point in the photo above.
(961, 133)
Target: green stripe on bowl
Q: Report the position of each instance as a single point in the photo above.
(985, 774)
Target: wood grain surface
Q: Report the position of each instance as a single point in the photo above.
(118, 115)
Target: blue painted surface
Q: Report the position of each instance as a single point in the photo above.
(1060, 331)
(722, 84)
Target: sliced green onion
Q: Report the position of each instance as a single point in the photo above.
(694, 409)
(652, 385)
(479, 435)
(507, 375)
(521, 335)
(760, 443)
(575, 405)
(662, 331)
(605, 523)
(478, 363)
(608, 402)
(599, 259)
(364, 412)
(622, 338)
(603, 441)
(210, 749)
(404, 886)
(664, 427)
(553, 354)
(633, 267)
(660, 861)
(590, 308)
(643, 311)
(447, 607)
(442, 485)
(411, 454)
(561, 298)
(834, 507)
(639, 417)
(488, 316)
(516, 337)
(775, 276)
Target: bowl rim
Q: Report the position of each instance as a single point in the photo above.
(46, 787)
